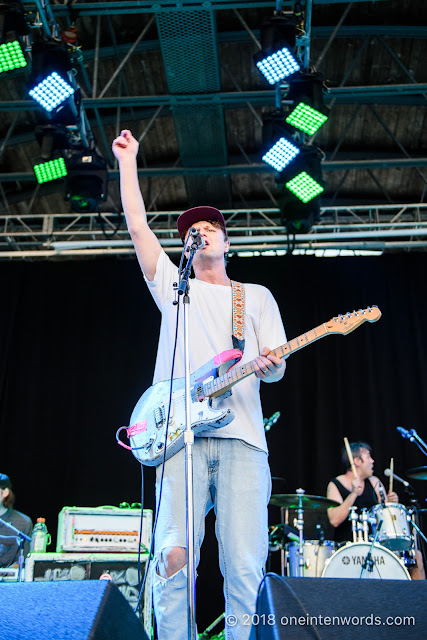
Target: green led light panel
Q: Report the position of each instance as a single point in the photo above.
(11, 56)
(51, 170)
(304, 187)
(306, 118)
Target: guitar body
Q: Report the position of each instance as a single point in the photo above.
(208, 386)
(148, 419)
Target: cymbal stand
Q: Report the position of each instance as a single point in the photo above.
(284, 520)
(416, 527)
(299, 524)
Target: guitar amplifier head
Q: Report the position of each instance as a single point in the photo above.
(103, 530)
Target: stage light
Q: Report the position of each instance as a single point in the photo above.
(306, 119)
(277, 59)
(304, 187)
(50, 84)
(11, 56)
(280, 148)
(51, 91)
(304, 178)
(281, 154)
(12, 25)
(299, 187)
(87, 181)
(308, 113)
(51, 170)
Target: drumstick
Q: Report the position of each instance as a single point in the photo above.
(390, 485)
(350, 457)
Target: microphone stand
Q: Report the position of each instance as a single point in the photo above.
(183, 289)
(414, 437)
(369, 563)
(21, 537)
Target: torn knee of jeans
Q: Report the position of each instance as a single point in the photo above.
(166, 567)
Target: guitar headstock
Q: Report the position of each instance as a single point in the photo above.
(348, 322)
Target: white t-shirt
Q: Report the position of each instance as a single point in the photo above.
(210, 323)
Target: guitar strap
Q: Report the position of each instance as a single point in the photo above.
(238, 336)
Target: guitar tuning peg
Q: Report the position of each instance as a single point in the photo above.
(355, 313)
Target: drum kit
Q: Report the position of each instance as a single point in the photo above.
(383, 545)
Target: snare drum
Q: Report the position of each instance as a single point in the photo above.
(348, 561)
(315, 555)
(395, 533)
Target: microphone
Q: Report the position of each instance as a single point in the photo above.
(197, 238)
(388, 473)
(268, 422)
(405, 433)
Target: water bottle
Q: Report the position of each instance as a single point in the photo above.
(40, 538)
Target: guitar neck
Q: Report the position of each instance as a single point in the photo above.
(221, 384)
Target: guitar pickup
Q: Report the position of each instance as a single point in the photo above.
(159, 416)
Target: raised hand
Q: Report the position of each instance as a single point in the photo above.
(125, 146)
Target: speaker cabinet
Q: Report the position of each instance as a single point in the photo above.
(90, 609)
(340, 609)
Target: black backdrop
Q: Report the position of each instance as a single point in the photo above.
(77, 349)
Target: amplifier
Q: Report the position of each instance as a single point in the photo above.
(103, 529)
(122, 569)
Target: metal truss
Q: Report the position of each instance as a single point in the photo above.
(64, 235)
(148, 6)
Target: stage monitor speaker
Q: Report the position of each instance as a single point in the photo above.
(88, 609)
(340, 608)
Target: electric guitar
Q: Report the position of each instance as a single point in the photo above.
(208, 386)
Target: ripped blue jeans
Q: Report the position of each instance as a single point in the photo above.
(234, 479)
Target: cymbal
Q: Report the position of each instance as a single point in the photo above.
(418, 473)
(291, 501)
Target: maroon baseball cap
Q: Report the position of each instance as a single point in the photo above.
(196, 214)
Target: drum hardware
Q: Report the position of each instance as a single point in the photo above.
(299, 525)
(364, 525)
(416, 527)
(354, 519)
(368, 564)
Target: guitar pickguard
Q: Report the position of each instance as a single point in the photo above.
(148, 420)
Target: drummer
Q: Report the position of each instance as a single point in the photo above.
(363, 492)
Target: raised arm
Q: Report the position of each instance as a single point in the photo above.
(146, 244)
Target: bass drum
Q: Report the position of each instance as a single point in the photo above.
(348, 561)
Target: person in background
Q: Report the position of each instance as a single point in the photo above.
(9, 549)
(364, 492)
